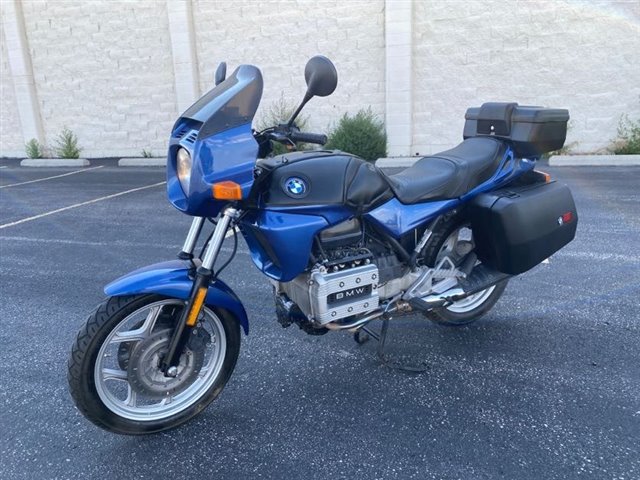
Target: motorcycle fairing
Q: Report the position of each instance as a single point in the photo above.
(280, 242)
(216, 131)
(230, 104)
(172, 279)
(215, 159)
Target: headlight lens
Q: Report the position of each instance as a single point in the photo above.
(184, 168)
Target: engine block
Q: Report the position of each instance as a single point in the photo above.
(325, 297)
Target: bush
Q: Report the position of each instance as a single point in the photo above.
(279, 112)
(34, 149)
(147, 153)
(628, 141)
(67, 144)
(362, 135)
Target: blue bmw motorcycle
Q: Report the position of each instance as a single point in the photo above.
(342, 243)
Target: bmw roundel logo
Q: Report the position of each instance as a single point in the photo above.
(295, 186)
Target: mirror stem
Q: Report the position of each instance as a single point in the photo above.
(306, 98)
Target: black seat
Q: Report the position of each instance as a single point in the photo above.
(448, 174)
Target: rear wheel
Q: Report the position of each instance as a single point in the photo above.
(114, 374)
(454, 238)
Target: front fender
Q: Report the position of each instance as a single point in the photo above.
(172, 280)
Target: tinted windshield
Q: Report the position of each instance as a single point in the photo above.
(230, 104)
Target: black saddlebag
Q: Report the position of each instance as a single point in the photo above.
(516, 228)
(531, 131)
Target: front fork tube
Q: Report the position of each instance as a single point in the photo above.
(204, 274)
(192, 238)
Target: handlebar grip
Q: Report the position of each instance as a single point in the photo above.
(305, 137)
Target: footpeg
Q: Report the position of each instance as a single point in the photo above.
(430, 302)
(480, 278)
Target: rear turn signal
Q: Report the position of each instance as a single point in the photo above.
(227, 190)
(545, 175)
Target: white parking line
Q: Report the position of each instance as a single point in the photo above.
(46, 214)
(49, 178)
(112, 244)
(3, 166)
(87, 243)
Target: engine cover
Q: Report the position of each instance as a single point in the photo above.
(325, 297)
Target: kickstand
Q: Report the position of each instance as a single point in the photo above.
(381, 339)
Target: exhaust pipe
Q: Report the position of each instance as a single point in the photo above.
(361, 322)
(481, 278)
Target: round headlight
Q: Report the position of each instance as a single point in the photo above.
(184, 168)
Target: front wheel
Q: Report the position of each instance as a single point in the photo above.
(454, 238)
(114, 375)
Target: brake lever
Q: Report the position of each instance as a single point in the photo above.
(281, 134)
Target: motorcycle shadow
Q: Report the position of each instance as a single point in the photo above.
(413, 344)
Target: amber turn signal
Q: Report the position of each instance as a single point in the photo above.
(227, 190)
(547, 177)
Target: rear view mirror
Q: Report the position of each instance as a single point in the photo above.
(221, 73)
(321, 77)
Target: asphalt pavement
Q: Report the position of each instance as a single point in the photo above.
(547, 385)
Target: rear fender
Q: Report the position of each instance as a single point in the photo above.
(171, 279)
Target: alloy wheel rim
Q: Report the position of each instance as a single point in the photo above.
(111, 380)
(451, 247)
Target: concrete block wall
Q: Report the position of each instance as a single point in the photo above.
(118, 73)
(577, 55)
(104, 70)
(281, 35)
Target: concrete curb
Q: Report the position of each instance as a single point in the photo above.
(54, 162)
(143, 162)
(396, 162)
(594, 160)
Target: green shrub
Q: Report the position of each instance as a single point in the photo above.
(362, 135)
(34, 149)
(147, 153)
(279, 112)
(628, 141)
(67, 144)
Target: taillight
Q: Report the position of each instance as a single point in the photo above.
(565, 218)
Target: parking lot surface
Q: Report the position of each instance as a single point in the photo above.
(547, 385)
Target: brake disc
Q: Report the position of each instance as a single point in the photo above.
(143, 369)
(125, 348)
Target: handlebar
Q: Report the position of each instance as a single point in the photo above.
(289, 135)
(305, 137)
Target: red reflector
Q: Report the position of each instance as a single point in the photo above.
(567, 217)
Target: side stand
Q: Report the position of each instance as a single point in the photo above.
(363, 335)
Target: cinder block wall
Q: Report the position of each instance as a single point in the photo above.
(107, 69)
(584, 56)
(104, 70)
(280, 36)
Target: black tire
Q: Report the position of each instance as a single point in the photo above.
(84, 354)
(444, 315)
